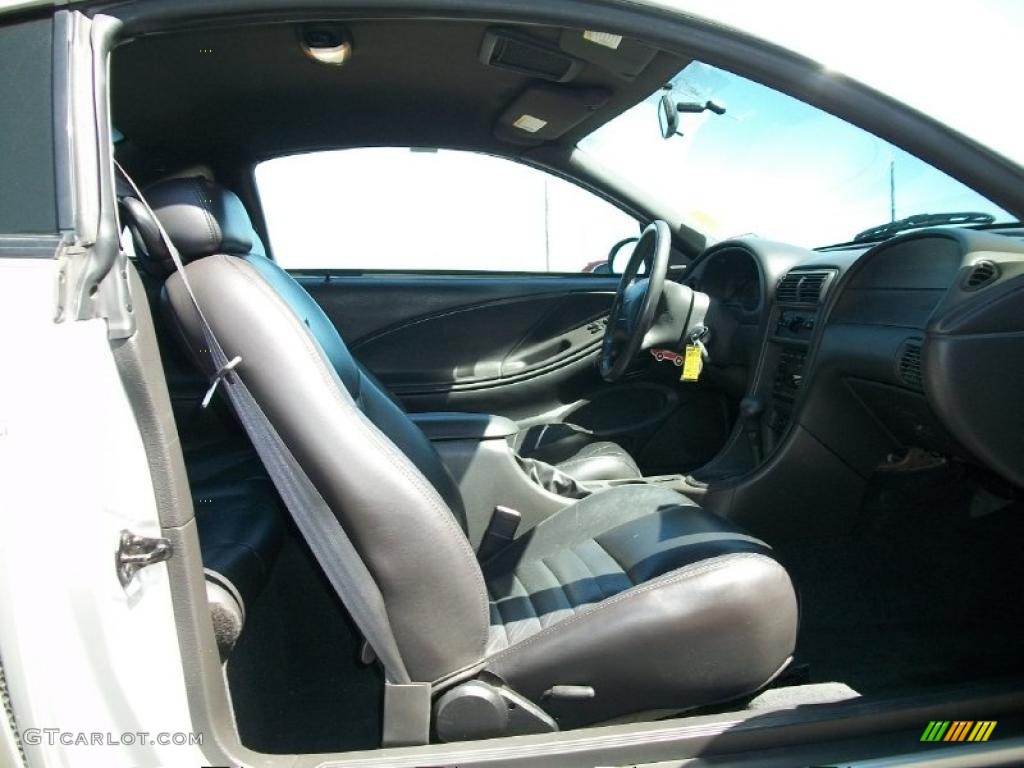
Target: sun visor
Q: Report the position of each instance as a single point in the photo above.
(625, 57)
(547, 112)
(527, 55)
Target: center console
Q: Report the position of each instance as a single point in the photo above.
(476, 449)
(795, 318)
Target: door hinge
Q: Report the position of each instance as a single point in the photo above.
(136, 552)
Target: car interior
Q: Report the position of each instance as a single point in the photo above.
(704, 476)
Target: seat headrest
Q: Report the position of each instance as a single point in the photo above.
(201, 218)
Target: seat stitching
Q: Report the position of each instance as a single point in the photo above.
(684, 574)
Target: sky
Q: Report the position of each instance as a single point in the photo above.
(772, 165)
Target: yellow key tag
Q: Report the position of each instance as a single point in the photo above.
(693, 363)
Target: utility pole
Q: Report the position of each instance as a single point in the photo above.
(892, 190)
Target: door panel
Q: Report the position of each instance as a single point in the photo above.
(518, 346)
(486, 344)
(434, 335)
(364, 304)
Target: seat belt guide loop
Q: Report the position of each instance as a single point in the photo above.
(225, 369)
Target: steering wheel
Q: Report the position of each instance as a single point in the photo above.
(636, 301)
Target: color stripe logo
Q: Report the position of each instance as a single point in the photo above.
(958, 730)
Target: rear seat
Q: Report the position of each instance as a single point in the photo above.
(239, 516)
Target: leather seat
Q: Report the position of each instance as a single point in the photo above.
(639, 591)
(634, 596)
(239, 519)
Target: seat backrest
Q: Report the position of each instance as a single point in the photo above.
(375, 468)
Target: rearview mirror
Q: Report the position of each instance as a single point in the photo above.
(668, 117)
(669, 109)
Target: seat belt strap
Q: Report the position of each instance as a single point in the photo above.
(406, 703)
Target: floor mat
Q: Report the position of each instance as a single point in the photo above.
(921, 593)
(296, 681)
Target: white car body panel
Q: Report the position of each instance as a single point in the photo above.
(80, 653)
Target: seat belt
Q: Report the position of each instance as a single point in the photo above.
(406, 703)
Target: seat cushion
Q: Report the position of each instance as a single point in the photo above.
(600, 461)
(640, 594)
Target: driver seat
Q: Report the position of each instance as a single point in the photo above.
(633, 600)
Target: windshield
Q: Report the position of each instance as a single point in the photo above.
(759, 162)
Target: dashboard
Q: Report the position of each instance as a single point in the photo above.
(739, 276)
(915, 342)
(732, 276)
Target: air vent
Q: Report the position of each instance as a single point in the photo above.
(804, 286)
(980, 275)
(789, 289)
(909, 364)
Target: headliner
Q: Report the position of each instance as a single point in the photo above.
(409, 83)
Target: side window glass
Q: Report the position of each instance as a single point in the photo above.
(410, 210)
